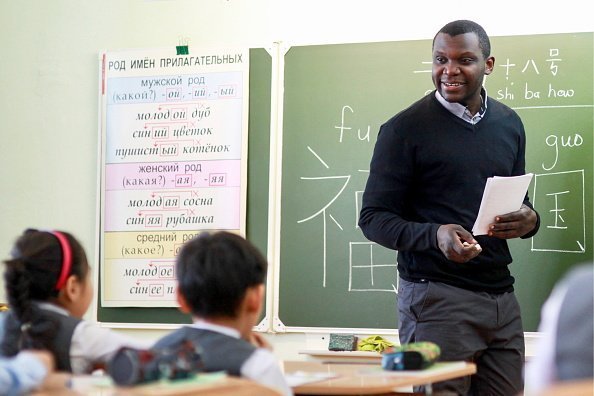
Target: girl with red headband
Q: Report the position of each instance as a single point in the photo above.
(49, 288)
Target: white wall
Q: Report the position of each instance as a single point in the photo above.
(48, 81)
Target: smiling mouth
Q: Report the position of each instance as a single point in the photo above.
(452, 84)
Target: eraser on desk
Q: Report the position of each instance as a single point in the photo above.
(342, 342)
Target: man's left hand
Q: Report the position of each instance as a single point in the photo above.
(514, 224)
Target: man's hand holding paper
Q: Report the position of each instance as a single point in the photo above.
(514, 224)
(502, 213)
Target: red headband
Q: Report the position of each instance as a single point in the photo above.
(66, 259)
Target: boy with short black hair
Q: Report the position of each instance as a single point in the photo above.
(221, 284)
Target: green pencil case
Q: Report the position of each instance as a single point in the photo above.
(413, 356)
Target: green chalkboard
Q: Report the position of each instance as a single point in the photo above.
(335, 99)
(257, 194)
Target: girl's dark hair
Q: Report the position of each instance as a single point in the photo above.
(32, 275)
(214, 271)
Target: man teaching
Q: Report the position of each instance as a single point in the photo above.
(427, 176)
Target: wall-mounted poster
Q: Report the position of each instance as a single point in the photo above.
(173, 163)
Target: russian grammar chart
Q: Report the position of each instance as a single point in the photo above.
(173, 163)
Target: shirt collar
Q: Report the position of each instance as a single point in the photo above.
(204, 325)
(462, 111)
(52, 307)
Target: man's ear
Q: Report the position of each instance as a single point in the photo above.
(181, 300)
(489, 65)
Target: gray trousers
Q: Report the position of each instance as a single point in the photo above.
(479, 327)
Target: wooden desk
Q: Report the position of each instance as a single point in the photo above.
(222, 386)
(370, 379)
(327, 356)
(571, 388)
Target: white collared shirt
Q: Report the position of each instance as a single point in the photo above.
(92, 344)
(262, 366)
(462, 111)
(21, 374)
(540, 371)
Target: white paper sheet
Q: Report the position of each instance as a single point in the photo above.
(502, 195)
(304, 377)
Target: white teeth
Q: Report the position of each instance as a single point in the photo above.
(452, 84)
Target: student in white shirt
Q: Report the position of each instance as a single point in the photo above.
(565, 351)
(221, 284)
(49, 288)
(24, 372)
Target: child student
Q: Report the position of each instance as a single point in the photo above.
(221, 284)
(25, 372)
(49, 288)
(29, 370)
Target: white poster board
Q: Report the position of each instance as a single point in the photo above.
(173, 163)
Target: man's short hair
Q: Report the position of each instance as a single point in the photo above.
(463, 26)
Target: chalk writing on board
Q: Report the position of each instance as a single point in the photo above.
(558, 196)
(562, 195)
(365, 136)
(565, 142)
(560, 199)
(366, 262)
(379, 274)
(366, 273)
(530, 63)
(531, 66)
(323, 211)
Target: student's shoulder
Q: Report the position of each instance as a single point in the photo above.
(174, 338)
(91, 334)
(578, 285)
(583, 273)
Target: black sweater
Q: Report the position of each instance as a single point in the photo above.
(429, 168)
